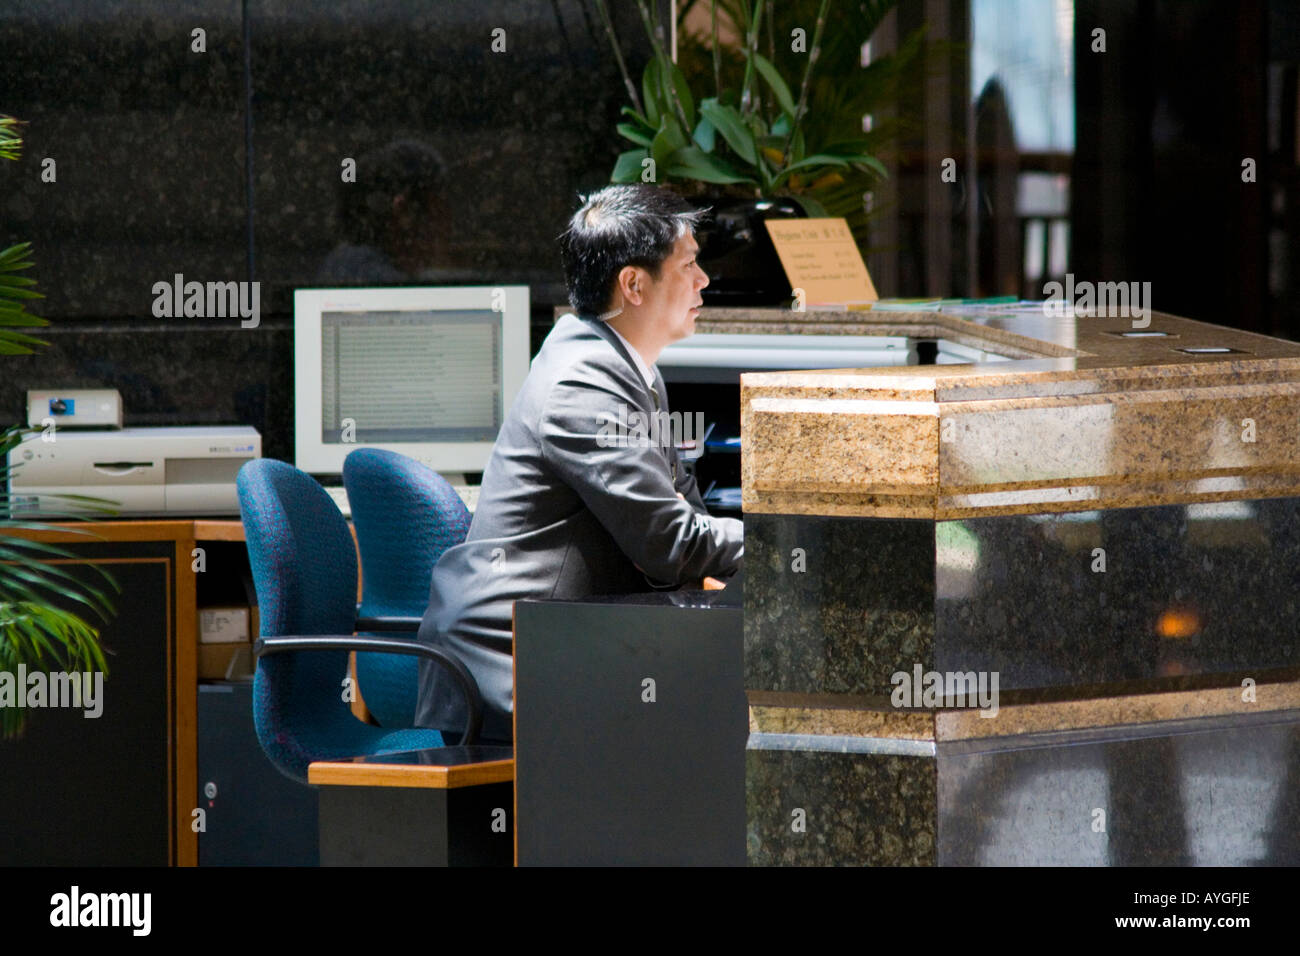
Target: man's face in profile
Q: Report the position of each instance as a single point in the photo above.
(674, 298)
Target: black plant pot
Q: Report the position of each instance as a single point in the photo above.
(737, 253)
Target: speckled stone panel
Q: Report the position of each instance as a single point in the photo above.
(1205, 591)
(858, 809)
(146, 136)
(1120, 423)
(521, 132)
(1199, 590)
(861, 609)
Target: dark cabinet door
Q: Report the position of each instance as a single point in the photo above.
(91, 791)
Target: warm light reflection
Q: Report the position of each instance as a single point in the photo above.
(1178, 623)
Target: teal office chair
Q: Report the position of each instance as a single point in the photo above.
(305, 572)
(405, 515)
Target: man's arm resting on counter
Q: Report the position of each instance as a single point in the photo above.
(630, 491)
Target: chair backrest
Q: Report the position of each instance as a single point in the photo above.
(406, 515)
(305, 571)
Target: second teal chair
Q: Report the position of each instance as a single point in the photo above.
(305, 571)
(405, 515)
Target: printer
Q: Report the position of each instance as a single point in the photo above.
(139, 471)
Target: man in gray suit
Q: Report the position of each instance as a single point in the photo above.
(569, 507)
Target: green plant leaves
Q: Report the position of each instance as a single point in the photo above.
(664, 88)
(15, 291)
(633, 133)
(705, 135)
(33, 630)
(651, 90)
(856, 152)
(44, 639)
(628, 111)
(811, 207)
(693, 163)
(683, 91)
(11, 141)
(770, 149)
(667, 141)
(728, 121)
(778, 85)
(875, 165)
(627, 169)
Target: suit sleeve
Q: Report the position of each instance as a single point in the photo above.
(687, 485)
(628, 487)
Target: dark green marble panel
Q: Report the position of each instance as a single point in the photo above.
(864, 809)
(1187, 591)
(861, 608)
(1189, 595)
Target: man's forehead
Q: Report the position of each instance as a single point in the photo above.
(686, 246)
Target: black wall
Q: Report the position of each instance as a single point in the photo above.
(1165, 117)
(226, 165)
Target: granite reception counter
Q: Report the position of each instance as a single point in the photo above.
(1040, 609)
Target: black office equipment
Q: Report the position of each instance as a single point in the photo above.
(611, 768)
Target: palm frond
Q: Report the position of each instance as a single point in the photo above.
(11, 141)
(39, 629)
(15, 292)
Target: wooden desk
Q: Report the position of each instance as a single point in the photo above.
(121, 789)
(450, 806)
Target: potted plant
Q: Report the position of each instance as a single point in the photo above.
(38, 634)
(761, 146)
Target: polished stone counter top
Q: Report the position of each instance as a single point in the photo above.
(1087, 413)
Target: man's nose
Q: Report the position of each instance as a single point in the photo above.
(703, 275)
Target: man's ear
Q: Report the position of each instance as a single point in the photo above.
(631, 282)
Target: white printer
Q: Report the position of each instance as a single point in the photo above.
(142, 471)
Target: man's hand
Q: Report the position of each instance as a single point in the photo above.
(708, 584)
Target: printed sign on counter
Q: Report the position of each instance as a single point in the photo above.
(820, 257)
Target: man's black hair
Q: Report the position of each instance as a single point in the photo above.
(633, 225)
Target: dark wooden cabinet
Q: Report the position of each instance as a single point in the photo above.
(118, 789)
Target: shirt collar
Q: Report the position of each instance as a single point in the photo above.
(644, 369)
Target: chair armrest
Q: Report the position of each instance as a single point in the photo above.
(388, 622)
(386, 645)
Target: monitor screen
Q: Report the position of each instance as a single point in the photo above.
(427, 372)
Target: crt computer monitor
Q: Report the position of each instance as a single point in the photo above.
(428, 372)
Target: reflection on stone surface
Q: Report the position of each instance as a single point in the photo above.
(1076, 607)
(1046, 601)
(1219, 791)
(155, 177)
(195, 374)
(1211, 792)
(147, 138)
(518, 133)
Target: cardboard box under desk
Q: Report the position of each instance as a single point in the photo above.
(226, 634)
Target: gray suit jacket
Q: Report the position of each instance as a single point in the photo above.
(563, 515)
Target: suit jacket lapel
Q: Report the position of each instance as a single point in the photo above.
(653, 406)
(604, 332)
